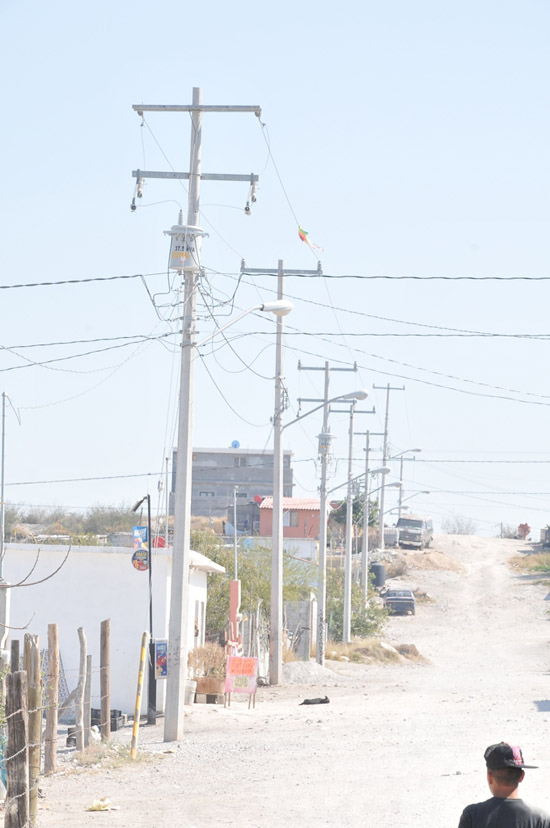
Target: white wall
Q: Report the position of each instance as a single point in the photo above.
(96, 583)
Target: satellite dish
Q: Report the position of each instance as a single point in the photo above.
(258, 498)
(235, 444)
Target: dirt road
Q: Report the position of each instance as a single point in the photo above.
(398, 744)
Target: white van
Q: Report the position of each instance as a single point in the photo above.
(415, 530)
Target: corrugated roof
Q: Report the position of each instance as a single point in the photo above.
(309, 503)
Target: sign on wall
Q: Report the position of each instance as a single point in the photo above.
(161, 659)
(140, 558)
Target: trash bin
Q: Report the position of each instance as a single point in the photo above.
(379, 572)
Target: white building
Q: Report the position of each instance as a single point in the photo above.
(95, 583)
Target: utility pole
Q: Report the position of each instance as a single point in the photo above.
(400, 502)
(185, 257)
(3, 505)
(325, 447)
(276, 615)
(387, 388)
(235, 540)
(346, 636)
(366, 508)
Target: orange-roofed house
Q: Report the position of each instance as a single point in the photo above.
(301, 517)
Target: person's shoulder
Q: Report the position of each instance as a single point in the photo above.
(540, 814)
(471, 811)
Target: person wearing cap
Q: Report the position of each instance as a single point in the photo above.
(505, 770)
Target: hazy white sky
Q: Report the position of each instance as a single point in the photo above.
(411, 139)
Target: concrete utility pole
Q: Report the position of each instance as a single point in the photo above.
(387, 388)
(325, 447)
(366, 508)
(346, 633)
(276, 616)
(190, 265)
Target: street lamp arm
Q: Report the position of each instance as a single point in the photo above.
(355, 395)
(280, 307)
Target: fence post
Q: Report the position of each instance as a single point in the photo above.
(17, 760)
(79, 700)
(105, 679)
(88, 701)
(31, 660)
(14, 661)
(50, 746)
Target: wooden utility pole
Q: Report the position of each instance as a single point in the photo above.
(79, 700)
(105, 679)
(31, 659)
(17, 759)
(52, 689)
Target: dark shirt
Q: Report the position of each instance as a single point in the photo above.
(503, 813)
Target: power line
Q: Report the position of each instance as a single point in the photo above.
(365, 277)
(79, 281)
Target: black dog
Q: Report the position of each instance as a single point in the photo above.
(326, 700)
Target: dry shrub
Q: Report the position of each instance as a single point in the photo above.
(288, 654)
(537, 562)
(209, 660)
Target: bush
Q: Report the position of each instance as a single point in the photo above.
(366, 621)
(459, 525)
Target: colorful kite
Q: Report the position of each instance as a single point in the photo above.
(304, 237)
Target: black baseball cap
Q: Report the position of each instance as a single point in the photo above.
(503, 755)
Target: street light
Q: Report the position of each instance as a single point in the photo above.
(324, 450)
(152, 681)
(402, 455)
(177, 627)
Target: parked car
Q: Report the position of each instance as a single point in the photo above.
(400, 601)
(415, 530)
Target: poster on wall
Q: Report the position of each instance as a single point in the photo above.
(161, 658)
(140, 558)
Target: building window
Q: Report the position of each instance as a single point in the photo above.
(206, 494)
(239, 461)
(242, 494)
(294, 518)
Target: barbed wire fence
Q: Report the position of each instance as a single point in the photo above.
(35, 693)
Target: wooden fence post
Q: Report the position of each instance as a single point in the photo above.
(17, 760)
(50, 746)
(79, 700)
(105, 679)
(88, 701)
(14, 661)
(31, 660)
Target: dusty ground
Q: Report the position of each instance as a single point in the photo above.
(398, 744)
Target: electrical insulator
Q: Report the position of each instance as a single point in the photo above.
(325, 443)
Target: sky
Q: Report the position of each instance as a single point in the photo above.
(407, 139)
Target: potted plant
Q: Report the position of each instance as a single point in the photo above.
(207, 665)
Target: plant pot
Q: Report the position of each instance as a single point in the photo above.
(210, 686)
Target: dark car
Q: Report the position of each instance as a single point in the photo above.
(400, 601)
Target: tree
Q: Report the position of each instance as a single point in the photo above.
(366, 620)
(254, 575)
(459, 525)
